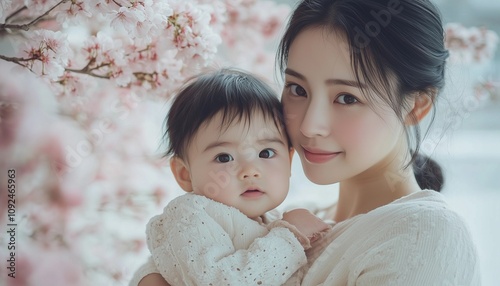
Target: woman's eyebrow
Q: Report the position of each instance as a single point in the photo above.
(352, 83)
(331, 81)
(291, 72)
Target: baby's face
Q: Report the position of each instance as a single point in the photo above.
(244, 166)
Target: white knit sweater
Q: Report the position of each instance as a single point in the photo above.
(197, 241)
(415, 240)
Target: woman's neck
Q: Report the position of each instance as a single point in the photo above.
(373, 189)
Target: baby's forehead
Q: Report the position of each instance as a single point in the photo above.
(253, 122)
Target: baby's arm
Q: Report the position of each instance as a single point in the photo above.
(143, 271)
(195, 244)
(153, 279)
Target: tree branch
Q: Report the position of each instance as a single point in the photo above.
(86, 70)
(15, 13)
(117, 3)
(89, 73)
(15, 60)
(19, 61)
(26, 27)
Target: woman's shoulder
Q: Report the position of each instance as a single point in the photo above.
(423, 214)
(414, 238)
(424, 230)
(423, 203)
(427, 215)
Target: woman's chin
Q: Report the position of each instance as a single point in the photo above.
(319, 176)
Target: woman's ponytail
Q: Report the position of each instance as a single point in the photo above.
(428, 173)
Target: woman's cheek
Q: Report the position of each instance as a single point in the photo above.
(292, 121)
(351, 130)
(360, 132)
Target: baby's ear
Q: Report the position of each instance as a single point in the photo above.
(422, 104)
(291, 152)
(181, 173)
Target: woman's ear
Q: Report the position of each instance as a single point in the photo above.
(181, 173)
(422, 104)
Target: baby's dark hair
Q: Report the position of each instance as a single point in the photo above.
(396, 47)
(237, 94)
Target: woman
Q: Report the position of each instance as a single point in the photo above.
(359, 77)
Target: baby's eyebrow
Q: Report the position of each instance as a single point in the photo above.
(218, 144)
(271, 140)
(262, 141)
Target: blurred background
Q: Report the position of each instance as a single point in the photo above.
(83, 129)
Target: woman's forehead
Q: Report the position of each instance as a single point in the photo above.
(319, 53)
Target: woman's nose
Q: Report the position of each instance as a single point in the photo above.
(315, 121)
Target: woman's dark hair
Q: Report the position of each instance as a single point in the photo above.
(234, 93)
(396, 47)
(428, 173)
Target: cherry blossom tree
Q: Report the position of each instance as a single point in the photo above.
(84, 89)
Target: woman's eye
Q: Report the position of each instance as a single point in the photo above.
(346, 99)
(224, 158)
(267, 153)
(297, 90)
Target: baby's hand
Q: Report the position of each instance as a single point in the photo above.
(306, 222)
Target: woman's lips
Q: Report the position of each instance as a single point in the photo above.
(318, 156)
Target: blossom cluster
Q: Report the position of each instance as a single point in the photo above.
(470, 45)
(472, 53)
(84, 90)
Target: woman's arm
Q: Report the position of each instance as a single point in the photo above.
(153, 279)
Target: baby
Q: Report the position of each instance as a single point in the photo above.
(231, 154)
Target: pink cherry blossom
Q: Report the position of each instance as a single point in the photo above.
(470, 45)
(60, 267)
(46, 52)
(125, 18)
(74, 12)
(40, 6)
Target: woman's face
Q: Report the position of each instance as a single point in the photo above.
(336, 132)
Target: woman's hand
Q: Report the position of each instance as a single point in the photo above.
(306, 222)
(153, 279)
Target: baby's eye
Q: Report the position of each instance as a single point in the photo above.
(224, 158)
(346, 99)
(296, 89)
(267, 153)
